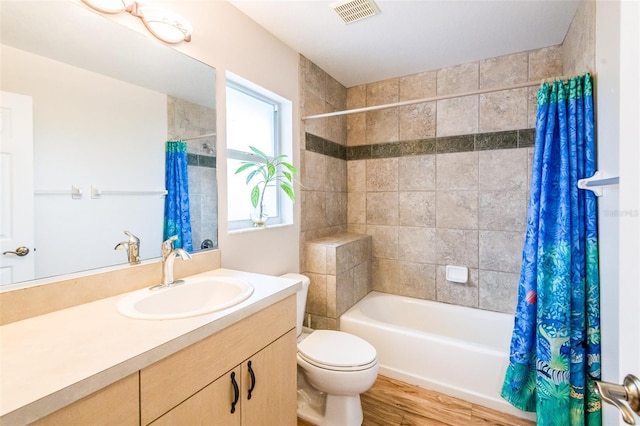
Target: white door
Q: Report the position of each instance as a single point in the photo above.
(16, 188)
(621, 288)
(629, 288)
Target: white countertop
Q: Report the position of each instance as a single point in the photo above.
(52, 360)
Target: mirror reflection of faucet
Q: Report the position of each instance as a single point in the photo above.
(132, 247)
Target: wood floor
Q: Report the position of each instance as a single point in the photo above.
(393, 403)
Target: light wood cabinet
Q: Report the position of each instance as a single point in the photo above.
(116, 404)
(194, 385)
(264, 393)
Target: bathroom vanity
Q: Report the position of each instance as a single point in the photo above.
(91, 365)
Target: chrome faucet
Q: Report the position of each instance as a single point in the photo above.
(132, 247)
(169, 255)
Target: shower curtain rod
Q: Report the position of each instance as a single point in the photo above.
(434, 98)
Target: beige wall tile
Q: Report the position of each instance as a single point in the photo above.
(336, 93)
(316, 259)
(315, 80)
(357, 208)
(457, 247)
(357, 175)
(498, 291)
(417, 208)
(331, 260)
(382, 174)
(418, 86)
(506, 110)
(532, 107)
(501, 250)
(382, 126)
(357, 129)
(465, 294)
(502, 210)
(317, 296)
(362, 280)
(417, 173)
(504, 70)
(545, 63)
(417, 121)
(344, 292)
(357, 228)
(416, 280)
(457, 171)
(578, 49)
(384, 241)
(313, 208)
(457, 209)
(458, 79)
(336, 174)
(336, 208)
(382, 208)
(504, 169)
(382, 92)
(315, 172)
(417, 244)
(384, 274)
(457, 116)
(332, 292)
(336, 129)
(357, 97)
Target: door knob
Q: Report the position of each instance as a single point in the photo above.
(616, 395)
(20, 251)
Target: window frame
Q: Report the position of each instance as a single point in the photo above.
(235, 154)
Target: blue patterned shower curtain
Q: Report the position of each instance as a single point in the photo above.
(177, 219)
(555, 348)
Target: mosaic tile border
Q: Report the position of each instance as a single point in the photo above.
(201, 160)
(523, 138)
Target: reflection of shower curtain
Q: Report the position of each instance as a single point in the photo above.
(555, 348)
(177, 220)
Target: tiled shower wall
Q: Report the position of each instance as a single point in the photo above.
(433, 183)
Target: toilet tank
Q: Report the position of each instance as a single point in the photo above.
(301, 298)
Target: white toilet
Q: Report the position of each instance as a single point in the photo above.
(334, 368)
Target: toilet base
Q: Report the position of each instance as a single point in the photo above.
(320, 409)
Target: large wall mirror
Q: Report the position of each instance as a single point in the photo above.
(104, 100)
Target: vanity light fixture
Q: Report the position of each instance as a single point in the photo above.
(163, 24)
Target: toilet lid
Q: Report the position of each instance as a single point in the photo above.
(336, 349)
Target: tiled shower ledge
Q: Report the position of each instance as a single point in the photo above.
(523, 138)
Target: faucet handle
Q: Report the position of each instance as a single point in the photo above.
(132, 238)
(167, 246)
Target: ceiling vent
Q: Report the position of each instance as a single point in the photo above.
(355, 10)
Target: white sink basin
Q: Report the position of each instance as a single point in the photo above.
(197, 296)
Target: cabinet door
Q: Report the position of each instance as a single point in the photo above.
(117, 404)
(211, 406)
(272, 384)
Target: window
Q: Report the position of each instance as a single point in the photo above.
(253, 119)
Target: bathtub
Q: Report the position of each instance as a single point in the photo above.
(455, 350)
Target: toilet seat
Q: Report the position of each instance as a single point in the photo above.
(337, 351)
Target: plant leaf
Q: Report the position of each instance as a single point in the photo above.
(250, 176)
(255, 196)
(288, 189)
(244, 167)
(260, 153)
(292, 169)
(271, 169)
(288, 176)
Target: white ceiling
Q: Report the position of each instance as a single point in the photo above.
(408, 37)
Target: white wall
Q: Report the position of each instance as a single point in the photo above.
(228, 40)
(127, 152)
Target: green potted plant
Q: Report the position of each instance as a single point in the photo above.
(269, 173)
